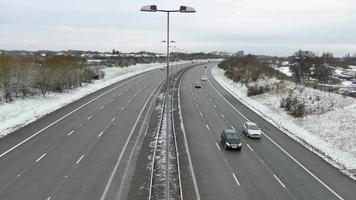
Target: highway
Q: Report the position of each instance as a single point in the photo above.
(274, 167)
(80, 151)
(89, 148)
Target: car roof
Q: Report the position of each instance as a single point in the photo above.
(250, 123)
(229, 131)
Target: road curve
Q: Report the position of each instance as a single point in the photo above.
(275, 167)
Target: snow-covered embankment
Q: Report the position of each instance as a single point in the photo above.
(331, 134)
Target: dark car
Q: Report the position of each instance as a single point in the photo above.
(230, 139)
(205, 66)
(197, 85)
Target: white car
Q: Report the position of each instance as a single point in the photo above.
(251, 130)
(203, 78)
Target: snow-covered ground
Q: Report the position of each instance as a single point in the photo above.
(285, 70)
(17, 114)
(329, 131)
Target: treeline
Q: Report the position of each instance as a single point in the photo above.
(26, 76)
(247, 70)
(125, 61)
(133, 60)
(307, 66)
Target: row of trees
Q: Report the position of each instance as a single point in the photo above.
(24, 76)
(249, 68)
(307, 65)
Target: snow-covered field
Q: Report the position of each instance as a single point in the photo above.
(329, 131)
(17, 114)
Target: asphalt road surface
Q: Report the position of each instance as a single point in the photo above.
(274, 167)
(84, 150)
(81, 150)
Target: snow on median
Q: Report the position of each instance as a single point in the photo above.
(332, 134)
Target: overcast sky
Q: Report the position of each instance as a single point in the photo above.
(272, 27)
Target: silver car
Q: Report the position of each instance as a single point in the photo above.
(251, 130)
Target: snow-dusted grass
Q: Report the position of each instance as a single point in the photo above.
(17, 114)
(330, 129)
(285, 70)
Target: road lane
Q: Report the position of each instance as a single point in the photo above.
(300, 182)
(214, 177)
(77, 161)
(252, 174)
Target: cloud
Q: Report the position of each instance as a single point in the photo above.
(269, 27)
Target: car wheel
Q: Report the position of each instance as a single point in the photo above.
(225, 147)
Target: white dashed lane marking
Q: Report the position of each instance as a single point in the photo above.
(100, 133)
(217, 146)
(237, 181)
(38, 159)
(81, 157)
(70, 133)
(249, 147)
(279, 180)
(207, 126)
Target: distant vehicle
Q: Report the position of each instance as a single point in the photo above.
(197, 85)
(162, 68)
(203, 78)
(205, 66)
(230, 139)
(251, 130)
(353, 81)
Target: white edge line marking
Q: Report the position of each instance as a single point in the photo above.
(249, 147)
(237, 181)
(103, 196)
(100, 133)
(81, 157)
(284, 151)
(60, 119)
(186, 145)
(233, 128)
(70, 133)
(279, 180)
(38, 159)
(217, 146)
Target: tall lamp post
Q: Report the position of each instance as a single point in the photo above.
(182, 9)
(172, 41)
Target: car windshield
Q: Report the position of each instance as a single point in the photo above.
(252, 127)
(232, 137)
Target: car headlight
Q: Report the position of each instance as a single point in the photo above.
(239, 144)
(227, 144)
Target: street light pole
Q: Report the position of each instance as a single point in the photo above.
(166, 194)
(182, 9)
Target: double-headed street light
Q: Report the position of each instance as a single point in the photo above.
(182, 9)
